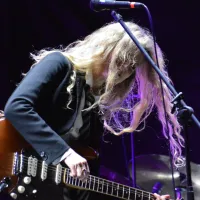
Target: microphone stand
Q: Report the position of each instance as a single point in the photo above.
(184, 112)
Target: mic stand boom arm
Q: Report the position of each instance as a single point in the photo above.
(180, 105)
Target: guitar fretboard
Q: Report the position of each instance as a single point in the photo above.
(104, 186)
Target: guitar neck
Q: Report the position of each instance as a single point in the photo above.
(106, 187)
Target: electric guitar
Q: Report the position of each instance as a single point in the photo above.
(20, 169)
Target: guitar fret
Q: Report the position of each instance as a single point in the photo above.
(79, 182)
(92, 178)
(76, 181)
(102, 186)
(107, 188)
(135, 194)
(139, 195)
(94, 183)
(89, 182)
(117, 190)
(120, 192)
(112, 189)
(123, 192)
(104, 191)
(98, 185)
(151, 196)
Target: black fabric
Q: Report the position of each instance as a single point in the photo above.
(37, 114)
(85, 135)
(37, 109)
(86, 114)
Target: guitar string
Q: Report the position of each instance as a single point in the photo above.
(94, 178)
(53, 169)
(110, 183)
(116, 191)
(105, 183)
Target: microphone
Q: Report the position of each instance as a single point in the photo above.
(99, 5)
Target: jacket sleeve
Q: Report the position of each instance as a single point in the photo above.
(20, 108)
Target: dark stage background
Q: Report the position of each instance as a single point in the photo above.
(28, 25)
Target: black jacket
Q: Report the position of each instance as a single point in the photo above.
(37, 108)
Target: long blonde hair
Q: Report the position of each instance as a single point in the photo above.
(127, 104)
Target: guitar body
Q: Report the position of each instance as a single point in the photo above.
(11, 142)
(25, 169)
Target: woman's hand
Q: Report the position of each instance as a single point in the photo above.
(163, 197)
(78, 166)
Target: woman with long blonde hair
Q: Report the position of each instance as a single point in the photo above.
(106, 74)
